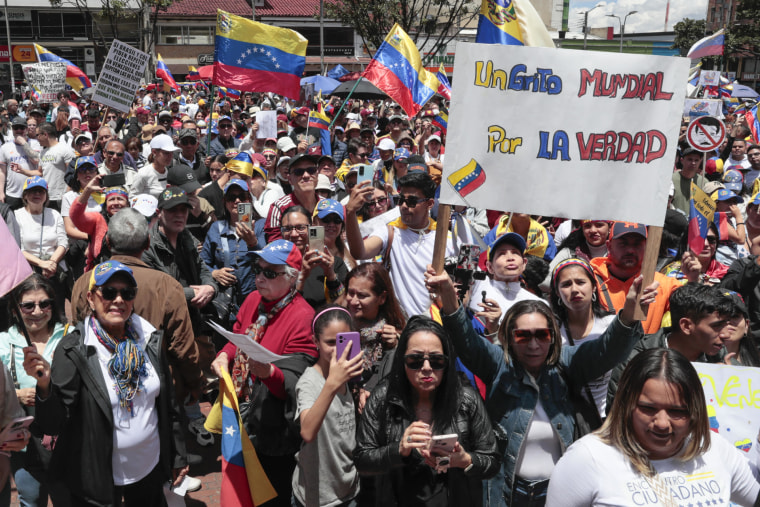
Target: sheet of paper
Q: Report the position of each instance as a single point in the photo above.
(252, 349)
(267, 121)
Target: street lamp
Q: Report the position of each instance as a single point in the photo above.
(622, 25)
(585, 24)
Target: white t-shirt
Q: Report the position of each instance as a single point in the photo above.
(271, 193)
(592, 473)
(147, 101)
(149, 181)
(732, 163)
(598, 386)
(53, 162)
(12, 153)
(504, 293)
(70, 196)
(53, 233)
(136, 443)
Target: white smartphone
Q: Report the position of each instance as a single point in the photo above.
(317, 238)
(366, 173)
(443, 444)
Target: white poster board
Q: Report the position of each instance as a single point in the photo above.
(267, 121)
(733, 402)
(547, 132)
(120, 77)
(709, 78)
(703, 107)
(47, 79)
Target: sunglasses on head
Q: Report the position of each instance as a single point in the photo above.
(267, 273)
(110, 293)
(542, 335)
(416, 361)
(410, 200)
(29, 306)
(298, 172)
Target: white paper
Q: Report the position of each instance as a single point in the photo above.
(267, 121)
(366, 227)
(253, 350)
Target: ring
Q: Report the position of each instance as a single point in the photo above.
(409, 439)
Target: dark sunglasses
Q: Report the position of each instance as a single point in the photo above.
(236, 196)
(270, 157)
(362, 155)
(410, 200)
(110, 293)
(416, 361)
(19, 127)
(712, 240)
(226, 126)
(542, 335)
(188, 141)
(115, 153)
(268, 273)
(298, 172)
(28, 307)
(331, 219)
(378, 202)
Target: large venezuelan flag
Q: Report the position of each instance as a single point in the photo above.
(397, 70)
(255, 57)
(75, 78)
(701, 211)
(711, 45)
(244, 483)
(512, 22)
(162, 71)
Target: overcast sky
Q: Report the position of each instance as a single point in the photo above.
(649, 18)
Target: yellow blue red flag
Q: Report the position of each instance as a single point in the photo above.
(397, 70)
(75, 78)
(441, 120)
(701, 211)
(254, 57)
(467, 179)
(193, 73)
(319, 120)
(163, 72)
(244, 483)
(512, 22)
(445, 87)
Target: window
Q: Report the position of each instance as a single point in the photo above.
(171, 35)
(192, 35)
(199, 35)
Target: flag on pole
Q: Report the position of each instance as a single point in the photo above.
(162, 71)
(441, 120)
(709, 46)
(244, 483)
(255, 57)
(319, 120)
(721, 221)
(14, 268)
(75, 78)
(512, 22)
(397, 70)
(445, 87)
(701, 211)
(193, 75)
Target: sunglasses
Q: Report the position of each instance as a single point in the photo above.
(542, 335)
(28, 307)
(410, 200)
(270, 157)
(298, 228)
(362, 155)
(236, 196)
(298, 172)
(712, 240)
(382, 201)
(110, 293)
(188, 141)
(268, 273)
(416, 361)
(19, 127)
(226, 126)
(115, 153)
(331, 219)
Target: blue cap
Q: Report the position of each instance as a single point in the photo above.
(104, 271)
(35, 182)
(281, 253)
(733, 180)
(401, 154)
(512, 238)
(225, 117)
(328, 206)
(213, 128)
(236, 183)
(724, 195)
(82, 161)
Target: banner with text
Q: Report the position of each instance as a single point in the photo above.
(733, 402)
(556, 135)
(120, 76)
(47, 79)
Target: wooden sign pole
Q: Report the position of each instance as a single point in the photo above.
(654, 236)
(441, 235)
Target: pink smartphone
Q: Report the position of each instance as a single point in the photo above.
(350, 340)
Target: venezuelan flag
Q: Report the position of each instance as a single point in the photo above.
(444, 89)
(441, 120)
(721, 221)
(753, 123)
(255, 57)
(701, 211)
(75, 78)
(397, 70)
(233, 94)
(162, 71)
(244, 483)
(512, 22)
(319, 120)
(467, 179)
(193, 75)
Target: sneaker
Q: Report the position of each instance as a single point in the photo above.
(192, 483)
(202, 436)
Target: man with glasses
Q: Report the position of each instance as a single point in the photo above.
(302, 176)
(356, 153)
(54, 158)
(165, 119)
(113, 163)
(18, 161)
(406, 244)
(152, 178)
(398, 126)
(226, 138)
(188, 154)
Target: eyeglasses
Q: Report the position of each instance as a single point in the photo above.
(712, 240)
(362, 155)
(382, 201)
(300, 228)
(110, 293)
(270, 157)
(237, 196)
(188, 141)
(269, 274)
(542, 335)
(410, 200)
(115, 153)
(416, 361)
(298, 172)
(29, 306)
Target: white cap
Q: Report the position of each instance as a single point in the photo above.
(434, 137)
(285, 144)
(163, 142)
(386, 144)
(145, 204)
(323, 183)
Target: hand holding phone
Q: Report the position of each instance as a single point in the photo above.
(317, 238)
(15, 430)
(352, 341)
(245, 213)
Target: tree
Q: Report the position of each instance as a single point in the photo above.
(424, 20)
(688, 31)
(744, 36)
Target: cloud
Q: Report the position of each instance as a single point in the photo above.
(650, 15)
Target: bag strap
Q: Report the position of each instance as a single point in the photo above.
(603, 289)
(387, 253)
(586, 388)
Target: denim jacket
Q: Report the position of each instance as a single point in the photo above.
(512, 395)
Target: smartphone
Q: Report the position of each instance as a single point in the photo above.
(75, 122)
(14, 430)
(245, 213)
(443, 444)
(352, 341)
(365, 173)
(317, 238)
(113, 180)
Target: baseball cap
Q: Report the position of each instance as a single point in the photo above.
(620, 229)
(18, 120)
(222, 118)
(733, 180)
(83, 161)
(302, 111)
(281, 253)
(739, 305)
(327, 207)
(141, 110)
(163, 142)
(173, 197)
(724, 195)
(35, 182)
(434, 137)
(386, 144)
(689, 150)
(396, 117)
(106, 270)
(416, 163)
(188, 133)
(285, 144)
(323, 183)
(303, 156)
(236, 182)
(325, 157)
(511, 238)
(146, 204)
(164, 114)
(81, 137)
(241, 164)
(401, 154)
(182, 176)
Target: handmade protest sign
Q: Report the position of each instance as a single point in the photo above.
(705, 133)
(732, 394)
(703, 107)
(552, 132)
(120, 76)
(709, 78)
(47, 79)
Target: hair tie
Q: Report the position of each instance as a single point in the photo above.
(325, 311)
(572, 261)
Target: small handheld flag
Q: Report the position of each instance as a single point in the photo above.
(701, 211)
(319, 120)
(162, 71)
(445, 87)
(441, 120)
(468, 179)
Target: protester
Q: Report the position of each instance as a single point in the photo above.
(378, 203)
(19, 160)
(151, 179)
(54, 158)
(330, 215)
(740, 349)
(113, 155)
(302, 176)
(701, 268)
(691, 163)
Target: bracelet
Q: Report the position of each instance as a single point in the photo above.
(740, 223)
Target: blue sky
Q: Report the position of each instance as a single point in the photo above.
(649, 18)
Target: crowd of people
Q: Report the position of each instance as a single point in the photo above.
(518, 376)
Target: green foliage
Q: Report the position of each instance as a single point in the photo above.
(744, 35)
(688, 31)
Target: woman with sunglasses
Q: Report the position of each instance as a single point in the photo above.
(37, 321)
(85, 169)
(528, 377)
(698, 268)
(377, 203)
(108, 397)
(330, 215)
(655, 447)
(422, 398)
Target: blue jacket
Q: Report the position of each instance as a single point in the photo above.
(511, 395)
(214, 257)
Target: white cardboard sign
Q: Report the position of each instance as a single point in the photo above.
(120, 77)
(553, 132)
(47, 79)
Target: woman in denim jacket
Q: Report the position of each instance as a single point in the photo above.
(527, 394)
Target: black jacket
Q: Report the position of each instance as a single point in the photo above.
(381, 427)
(78, 410)
(744, 277)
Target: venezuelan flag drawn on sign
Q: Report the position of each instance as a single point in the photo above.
(468, 179)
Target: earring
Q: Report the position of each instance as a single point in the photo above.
(560, 303)
(593, 297)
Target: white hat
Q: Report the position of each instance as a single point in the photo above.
(145, 204)
(285, 144)
(434, 137)
(323, 183)
(386, 144)
(163, 142)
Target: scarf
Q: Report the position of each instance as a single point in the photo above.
(127, 364)
(240, 369)
(372, 344)
(399, 224)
